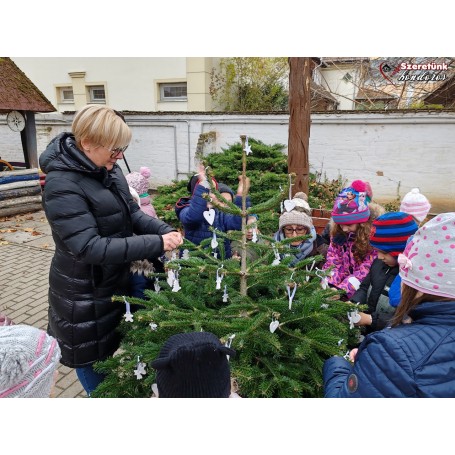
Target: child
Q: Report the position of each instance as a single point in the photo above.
(139, 270)
(388, 237)
(190, 211)
(349, 254)
(298, 222)
(193, 365)
(140, 183)
(29, 359)
(417, 205)
(416, 359)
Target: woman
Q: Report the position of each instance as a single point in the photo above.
(416, 357)
(93, 218)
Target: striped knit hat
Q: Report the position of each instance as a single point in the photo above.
(390, 232)
(416, 204)
(28, 360)
(351, 205)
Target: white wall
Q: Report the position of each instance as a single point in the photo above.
(394, 151)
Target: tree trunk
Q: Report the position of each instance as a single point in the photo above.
(299, 121)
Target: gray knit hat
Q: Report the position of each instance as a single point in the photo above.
(28, 360)
(296, 217)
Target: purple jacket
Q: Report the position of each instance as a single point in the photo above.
(340, 256)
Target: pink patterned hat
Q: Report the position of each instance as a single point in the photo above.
(428, 261)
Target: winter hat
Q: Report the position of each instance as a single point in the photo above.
(300, 200)
(416, 204)
(195, 180)
(351, 204)
(5, 320)
(295, 217)
(223, 188)
(139, 180)
(28, 360)
(193, 365)
(428, 261)
(390, 232)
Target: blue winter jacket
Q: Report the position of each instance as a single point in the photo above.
(190, 213)
(410, 360)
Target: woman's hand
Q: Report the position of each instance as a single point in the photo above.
(172, 240)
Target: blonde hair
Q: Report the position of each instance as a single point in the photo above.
(100, 125)
(362, 236)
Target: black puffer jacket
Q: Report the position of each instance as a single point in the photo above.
(93, 218)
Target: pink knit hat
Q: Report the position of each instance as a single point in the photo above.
(139, 181)
(416, 204)
(428, 261)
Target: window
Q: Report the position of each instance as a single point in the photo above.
(97, 94)
(66, 95)
(173, 92)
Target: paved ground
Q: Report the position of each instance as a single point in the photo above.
(26, 250)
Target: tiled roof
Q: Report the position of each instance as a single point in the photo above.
(18, 92)
(365, 93)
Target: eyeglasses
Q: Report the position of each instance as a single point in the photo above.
(116, 152)
(300, 230)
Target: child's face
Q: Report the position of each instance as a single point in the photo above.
(387, 258)
(293, 230)
(347, 228)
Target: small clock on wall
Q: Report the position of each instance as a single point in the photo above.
(15, 120)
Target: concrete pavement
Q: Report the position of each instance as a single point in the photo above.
(26, 250)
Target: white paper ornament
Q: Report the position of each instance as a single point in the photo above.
(255, 235)
(291, 294)
(214, 242)
(219, 277)
(140, 369)
(156, 285)
(185, 254)
(324, 306)
(353, 317)
(225, 294)
(170, 277)
(340, 341)
(247, 148)
(209, 216)
(173, 256)
(274, 325)
(128, 315)
(228, 343)
(289, 205)
(153, 326)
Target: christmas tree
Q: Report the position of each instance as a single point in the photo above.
(282, 323)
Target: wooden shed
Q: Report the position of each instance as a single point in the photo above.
(20, 99)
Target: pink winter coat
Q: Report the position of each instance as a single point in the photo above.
(147, 207)
(347, 274)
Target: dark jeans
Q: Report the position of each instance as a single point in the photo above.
(89, 378)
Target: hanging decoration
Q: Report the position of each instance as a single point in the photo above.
(128, 315)
(289, 204)
(140, 369)
(247, 148)
(225, 294)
